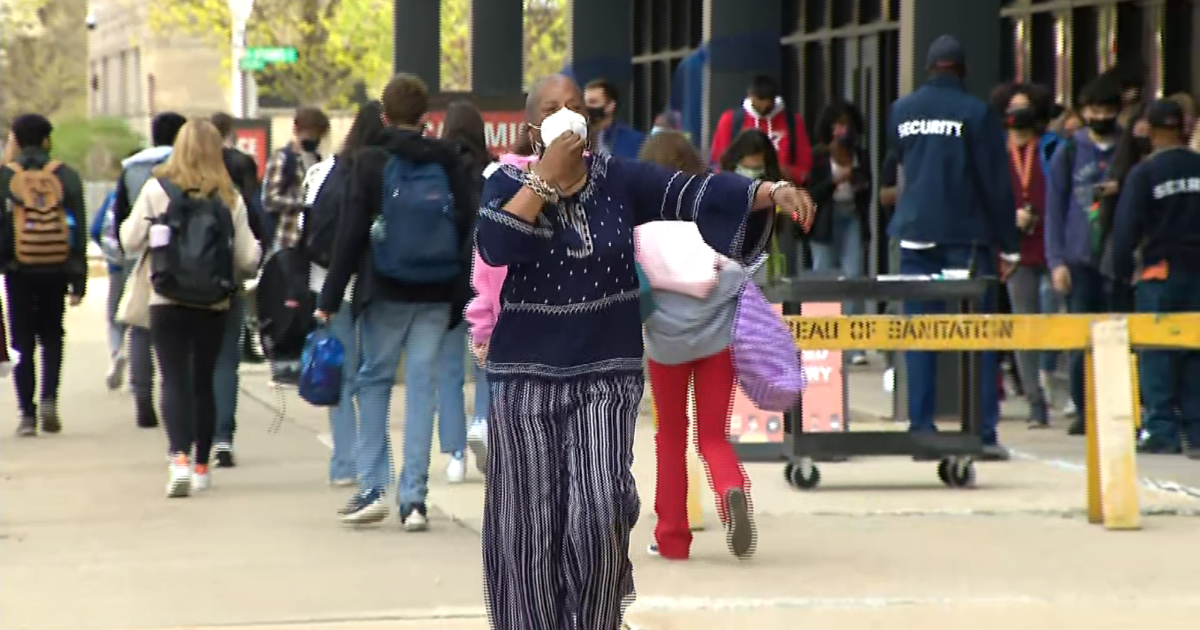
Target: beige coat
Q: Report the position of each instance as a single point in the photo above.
(135, 235)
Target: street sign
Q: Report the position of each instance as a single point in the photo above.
(272, 54)
(252, 65)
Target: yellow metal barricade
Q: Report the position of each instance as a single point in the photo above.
(1112, 402)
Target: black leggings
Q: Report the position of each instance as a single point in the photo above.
(187, 341)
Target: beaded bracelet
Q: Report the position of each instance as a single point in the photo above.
(541, 188)
(776, 187)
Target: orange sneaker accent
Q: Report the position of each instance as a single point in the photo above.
(1158, 271)
(201, 469)
(181, 459)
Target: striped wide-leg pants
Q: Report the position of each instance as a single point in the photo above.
(560, 502)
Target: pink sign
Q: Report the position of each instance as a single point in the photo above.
(823, 400)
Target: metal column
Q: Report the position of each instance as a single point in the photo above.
(497, 47)
(417, 40)
(602, 44)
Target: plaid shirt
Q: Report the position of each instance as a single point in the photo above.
(286, 204)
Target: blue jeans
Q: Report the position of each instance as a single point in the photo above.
(843, 253)
(116, 330)
(1170, 379)
(1051, 303)
(483, 394)
(343, 419)
(922, 366)
(1028, 288)
(389, 330)
(225, 379)
(452, 377)
(1086, 296)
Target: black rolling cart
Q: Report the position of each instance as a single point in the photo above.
(954, 452)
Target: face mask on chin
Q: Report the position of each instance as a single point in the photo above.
(310, 145)
(558, 123)
(752, 173)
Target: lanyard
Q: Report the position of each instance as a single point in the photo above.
(1024, 166)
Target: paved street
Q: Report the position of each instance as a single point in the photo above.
(87, 541)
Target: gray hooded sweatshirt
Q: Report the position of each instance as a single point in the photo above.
(684, 328)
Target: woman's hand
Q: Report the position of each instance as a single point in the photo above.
(562, 164)
(796, 203)
(480, 352)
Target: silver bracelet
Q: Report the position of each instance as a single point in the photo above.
(776, 187)
(540, 187)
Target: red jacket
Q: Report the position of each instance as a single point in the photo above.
(1033, 245)
(775, 126)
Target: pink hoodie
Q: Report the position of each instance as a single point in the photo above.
(484, 309)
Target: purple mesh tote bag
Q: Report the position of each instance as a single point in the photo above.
(764, 355)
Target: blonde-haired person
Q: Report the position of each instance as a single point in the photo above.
(187, 338)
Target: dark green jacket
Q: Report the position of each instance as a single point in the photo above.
(75, 269)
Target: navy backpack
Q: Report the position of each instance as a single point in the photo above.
(415, 239)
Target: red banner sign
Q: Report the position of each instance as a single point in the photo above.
(254, 139)
(500, 129)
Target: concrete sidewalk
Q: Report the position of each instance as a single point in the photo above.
(87, 541)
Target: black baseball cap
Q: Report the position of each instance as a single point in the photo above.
(946, 51)
(1165, 114)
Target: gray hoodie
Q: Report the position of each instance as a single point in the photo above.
(684, 328)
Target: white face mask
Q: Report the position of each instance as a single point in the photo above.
(560, 122)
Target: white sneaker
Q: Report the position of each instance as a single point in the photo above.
(200, 481)
(415, 522)
(477, 442)
(456, 470)
(1069, 408)
(179, 484)
(116, 374)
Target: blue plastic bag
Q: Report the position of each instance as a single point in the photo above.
(321, 369)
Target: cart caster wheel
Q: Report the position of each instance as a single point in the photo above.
(943, 472)
(957, 472)
(802, 481)
(963, 474)
(787, 471)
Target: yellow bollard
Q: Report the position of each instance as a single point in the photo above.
(1137, 391)
(1095, 510)
(695, 510)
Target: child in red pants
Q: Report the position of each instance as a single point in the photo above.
(712, 378)
(687, 342)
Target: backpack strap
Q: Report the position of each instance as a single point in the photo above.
(739, 121)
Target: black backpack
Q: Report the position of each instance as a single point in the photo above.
(283, 329)
(320, 219)
(739, 119)
(195, 266)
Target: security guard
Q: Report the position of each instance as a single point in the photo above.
(1159, 215)
(957, 210)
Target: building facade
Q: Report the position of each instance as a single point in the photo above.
(134, 72)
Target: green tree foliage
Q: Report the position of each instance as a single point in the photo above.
(43, 58)
(544, 48)
(341, 43)
(94, 146)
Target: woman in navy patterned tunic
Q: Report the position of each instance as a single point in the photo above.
(565, 362)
